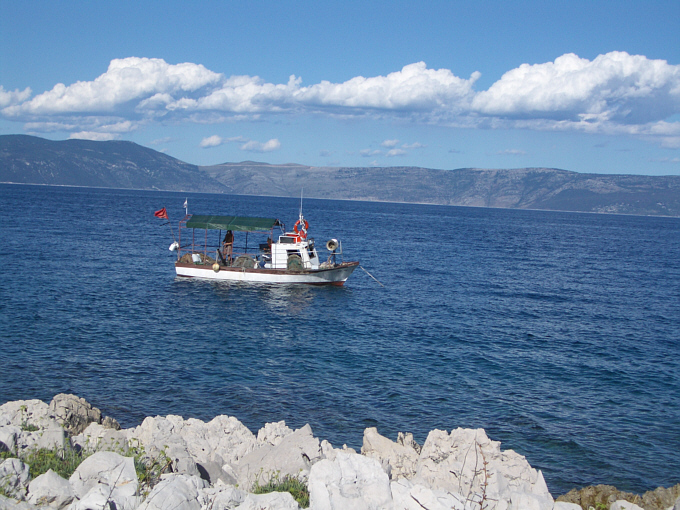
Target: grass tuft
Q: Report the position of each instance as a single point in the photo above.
(297, 488)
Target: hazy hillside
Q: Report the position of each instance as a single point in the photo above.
(28, 159)
(526, 188)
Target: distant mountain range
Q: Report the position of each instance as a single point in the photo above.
(115, 164)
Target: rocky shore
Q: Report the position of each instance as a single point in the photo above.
(172, 463)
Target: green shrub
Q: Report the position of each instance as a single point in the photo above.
(294, 485)
(62, 462)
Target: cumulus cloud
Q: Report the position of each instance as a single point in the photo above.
(414, 87)
(396, 152)
(615, 87)
(268, 146)
(12, 97)
(93, 135)
(211, 141)
(128, 79)
(616, 93)
(246, 144)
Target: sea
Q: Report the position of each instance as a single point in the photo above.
(556, 332)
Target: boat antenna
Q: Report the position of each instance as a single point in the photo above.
(301, 190)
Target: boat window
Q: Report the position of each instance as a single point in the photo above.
(286, 240)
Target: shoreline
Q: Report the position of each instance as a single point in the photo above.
(221, 462)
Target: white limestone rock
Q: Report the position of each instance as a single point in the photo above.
(8, 437)
(96, 438)
(222, 497)
(273, 433)
(624, 505)
(270, 501)
(293, 456)
(398, 460)
(50, 489)
(53, 437)
(14, 478)
(563, 505)
(409, 496)
(32, 413)
(160, 436)
(223, 439)
(74, 413)
(13, 504)
(466, 462)
(350, 481)
(106, 474)
(176, 492)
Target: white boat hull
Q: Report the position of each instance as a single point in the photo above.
(332, 276)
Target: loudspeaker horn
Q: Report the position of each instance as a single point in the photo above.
(332, 245)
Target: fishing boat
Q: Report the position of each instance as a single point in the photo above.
(229, 248)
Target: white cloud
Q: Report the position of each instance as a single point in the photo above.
(414, 87)
(614, 94)
(92, 135)
(615, 87)
(389, 143)
(396, 152)
(268, 146)
(367, 153)
(511, 152)
(12, 97)
(211, 141)
(128, 79)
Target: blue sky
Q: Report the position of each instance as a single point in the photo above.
(588, 86)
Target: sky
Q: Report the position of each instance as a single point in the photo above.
(588, 86)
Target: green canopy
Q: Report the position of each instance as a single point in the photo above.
(239, 223)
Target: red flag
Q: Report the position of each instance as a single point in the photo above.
(161, 214)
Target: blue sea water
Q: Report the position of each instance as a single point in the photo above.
(559, 333)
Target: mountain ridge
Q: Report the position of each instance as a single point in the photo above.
(123, 164)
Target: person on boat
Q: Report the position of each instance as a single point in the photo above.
(228, 245)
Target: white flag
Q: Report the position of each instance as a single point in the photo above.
(185, 203)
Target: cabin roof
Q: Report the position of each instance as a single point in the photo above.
(238, 223)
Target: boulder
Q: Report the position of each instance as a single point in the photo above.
(293, 456)
(223, 439)
(160, 437)
(624, 505)
(108, 475)
(96, 438)
(350, 481)
(50, 489)
(273, 433)
(8, 438)
(74, 413)
(176, 492)
(13, 504)
(563, 505)
(467, 463)
(409, 496)
(51, 438)
(270, 501)
(398, 460)
(14, 478)
(222, 497)
(27, 414)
